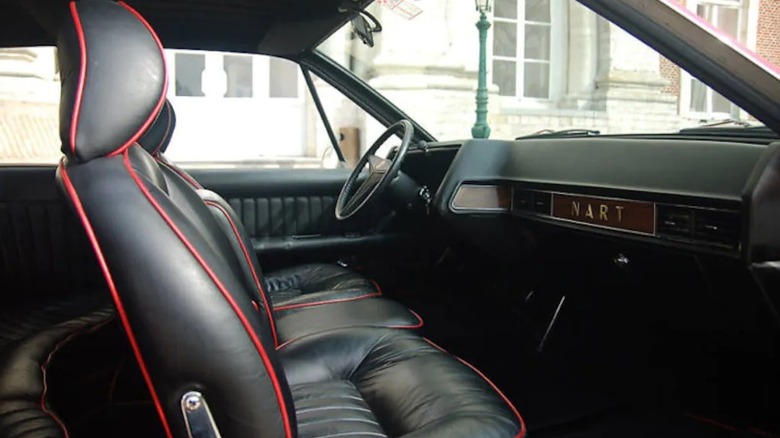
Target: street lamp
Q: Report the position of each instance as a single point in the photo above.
(481, 128)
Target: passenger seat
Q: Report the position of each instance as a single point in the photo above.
(294, 287)
(301, 300)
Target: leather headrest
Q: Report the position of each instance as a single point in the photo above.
(157, 137)
(113, 78)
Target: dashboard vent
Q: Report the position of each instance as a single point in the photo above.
(717, 227)
(674, 221)
(543, 203)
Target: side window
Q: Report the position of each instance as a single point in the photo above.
(354, 128)
(232, 110)
(256, 111)
(29, 106)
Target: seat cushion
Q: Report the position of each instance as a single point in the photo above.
(333, 408)
(316, 283)
(386, 382)
(377, 312)
(30, 336)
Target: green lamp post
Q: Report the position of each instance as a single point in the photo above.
(481, 128)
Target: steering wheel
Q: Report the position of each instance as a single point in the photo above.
(381, 172)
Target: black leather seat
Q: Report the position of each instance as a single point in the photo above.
(298, 286)
(182, 299)
(292, 314)
(31, 335)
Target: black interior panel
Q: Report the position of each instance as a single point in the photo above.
(682, 173)
(289, 213)
(716, 170)
(43, 251)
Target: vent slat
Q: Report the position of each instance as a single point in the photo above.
(717, 227)
(674, 221)
(699, 225)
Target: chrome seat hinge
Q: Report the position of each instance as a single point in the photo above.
(197, 416)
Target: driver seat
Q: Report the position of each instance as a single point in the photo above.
(289, 288)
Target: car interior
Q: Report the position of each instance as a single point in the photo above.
(559, 285)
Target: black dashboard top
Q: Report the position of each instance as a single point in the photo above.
(710, 184)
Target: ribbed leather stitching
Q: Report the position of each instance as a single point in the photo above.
(26, 332)
(335, 405)
(288, 216)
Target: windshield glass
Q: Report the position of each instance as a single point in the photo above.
(551, 65)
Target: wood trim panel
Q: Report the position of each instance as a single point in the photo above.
(482, 197)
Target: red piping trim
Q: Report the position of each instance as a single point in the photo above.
(74, 122)
(730, 428)
(244, 321)
(762, 433)
(289, 341)
(401, 327)
(522, 432)
(711, 422)
(114, 294)
(156, 150)
(416, 326)
(319, 303)
(160, 103)
(268, 308)
(45, 365)
(376, 285)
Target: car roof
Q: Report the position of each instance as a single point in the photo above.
(274, 27)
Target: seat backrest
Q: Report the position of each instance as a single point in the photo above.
(155, 141)
(157, 138)
(181, 298)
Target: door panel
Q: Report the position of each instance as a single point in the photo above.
(289, 213)
(43, 248)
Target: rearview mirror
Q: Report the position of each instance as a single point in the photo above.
(364, 29)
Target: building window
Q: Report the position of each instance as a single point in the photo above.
(189, 74)
(525, 46)
(282, 78)
(238, 71)
(728, 16)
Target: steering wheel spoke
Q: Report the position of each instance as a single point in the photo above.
(380, 172)
(378, 165)
(365, 189)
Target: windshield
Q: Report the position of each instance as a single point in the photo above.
(551, 65)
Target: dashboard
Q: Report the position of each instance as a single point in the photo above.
(713, 196)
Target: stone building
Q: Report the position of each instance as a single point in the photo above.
(553, 64)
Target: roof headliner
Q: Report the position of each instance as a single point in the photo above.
(277, 27)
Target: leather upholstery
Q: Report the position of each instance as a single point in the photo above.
(192, 324)
(85, 105)
(316, 283)
(157, 138)
(332, 408)
(379, 312)
(31, 335)
(185, 309)
(322, 284)
(296, 286)
(410, 387)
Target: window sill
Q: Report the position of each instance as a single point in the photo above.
(535, 109)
